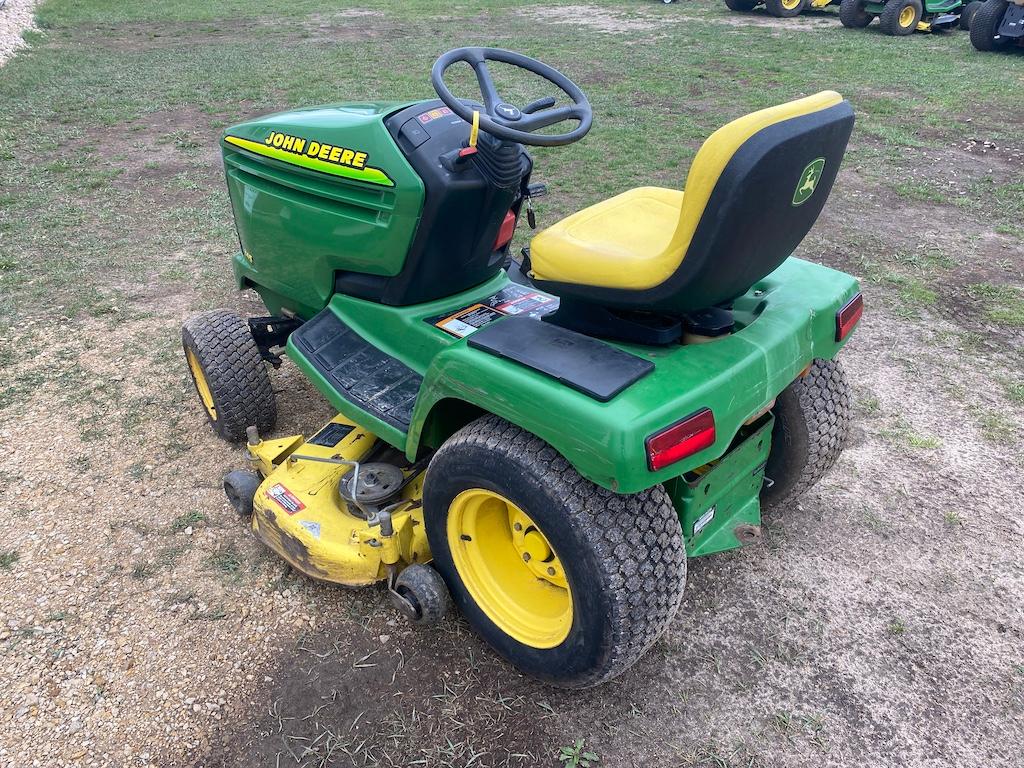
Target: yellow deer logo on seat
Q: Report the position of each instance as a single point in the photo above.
(808, 181)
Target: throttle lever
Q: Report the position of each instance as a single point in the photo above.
(531, 191)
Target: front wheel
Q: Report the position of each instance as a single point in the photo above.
(784, 9)
(985, 26)
(229, 374)
(812, 420)
(900, 17)
(568, 581)
(741, 5)
(853, 15)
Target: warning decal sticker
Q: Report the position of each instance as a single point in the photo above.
(285, 499)
(513, 299)
(467, 320)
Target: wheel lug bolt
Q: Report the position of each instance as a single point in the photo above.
(551, 571)
(518, 526)
(526, 557)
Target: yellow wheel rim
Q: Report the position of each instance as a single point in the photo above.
(907, 16)
(202, 385)
(789, 5)
(509, 568)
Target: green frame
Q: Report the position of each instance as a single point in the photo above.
(929, 6)
(787, 320)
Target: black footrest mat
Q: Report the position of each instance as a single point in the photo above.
(368, 378)
(587, 365)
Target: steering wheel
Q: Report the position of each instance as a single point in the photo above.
(504, 120)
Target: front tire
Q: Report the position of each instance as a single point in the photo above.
(812, 421)
(985, 24)
(229, 374)
(900, 17)
(968, 13)
(784, 9)
(568, 581)
(741, 5)
(853, 15)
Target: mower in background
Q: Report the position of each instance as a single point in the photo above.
(779, 8)
(997, 24)
(901, 17)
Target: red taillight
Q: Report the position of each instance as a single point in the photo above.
(685, 438)
(508, 228)
(848, 316)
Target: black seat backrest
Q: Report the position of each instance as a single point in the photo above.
(765, 201)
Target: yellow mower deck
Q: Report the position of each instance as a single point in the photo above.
(299, 513)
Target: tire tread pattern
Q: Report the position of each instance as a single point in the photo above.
(429, 589)
(889, 18)
(985, 23)
(637, 538)
(852, 14)
(823, 402)
(235, 371)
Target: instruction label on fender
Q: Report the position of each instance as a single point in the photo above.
(513, 299)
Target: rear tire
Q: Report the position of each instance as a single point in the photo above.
(985, 24)
(900, 17)
(594, 577)
(812, 420)
(968, 13)
(229, 374)
(785, 9)
(853, 15)
(741, 5)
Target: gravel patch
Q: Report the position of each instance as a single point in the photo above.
(15, 18)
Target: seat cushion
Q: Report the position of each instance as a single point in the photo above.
(624, 242)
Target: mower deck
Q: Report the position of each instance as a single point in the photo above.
(298, 512)
(783, 323)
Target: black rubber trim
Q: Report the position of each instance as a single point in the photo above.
(377, 383)
(592, 367)
(1012, 25)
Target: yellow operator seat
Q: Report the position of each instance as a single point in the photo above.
(753, 191)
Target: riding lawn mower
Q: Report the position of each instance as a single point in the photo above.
(901, 17)
(543, 441)
(997, 24)
(778, 8)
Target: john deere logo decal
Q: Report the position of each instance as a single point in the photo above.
(808, 181)
(315, 155)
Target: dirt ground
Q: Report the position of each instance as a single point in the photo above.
(879, 623)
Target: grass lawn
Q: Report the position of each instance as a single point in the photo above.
(114, 226)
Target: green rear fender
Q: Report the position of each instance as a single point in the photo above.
(789, 319)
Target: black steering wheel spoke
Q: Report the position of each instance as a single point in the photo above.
(505, 121)
(547, 117)
(487, 88)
